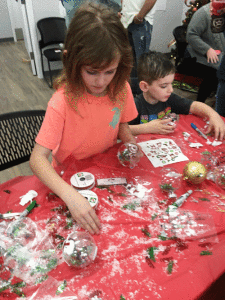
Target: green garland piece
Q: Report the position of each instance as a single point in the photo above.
(170, 267)
(110, 199)
(204, 199)
(20, 284)
(222, 179)
(69, 224)
(6, 287)
(61, 288)
(52, 264)
(59, 237)
(131, 206)
(19, 293)
(163, 238)
(59, 246)
(121, 194)
(151, 254)
(122, 297)
(100, 187)
(41, 279)
(146, 232)
(154, 217)
(167, 187)
(162, 201)
(206, 253)
(206, 153)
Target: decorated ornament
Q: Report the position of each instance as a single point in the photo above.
(129, 155)
(23, 231)
(174, 118)
(170, 181)
(79, 250)
(218, 157)
(219, 176)
(194, 172)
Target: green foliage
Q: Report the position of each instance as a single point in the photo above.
(193, 7)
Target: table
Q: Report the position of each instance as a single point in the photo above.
(123, 268)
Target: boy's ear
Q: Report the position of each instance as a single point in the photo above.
(144, 86)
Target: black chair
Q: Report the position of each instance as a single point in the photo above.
(18, 131)
(53, 32)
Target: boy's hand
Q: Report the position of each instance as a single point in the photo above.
(217, 124)
(160, 126)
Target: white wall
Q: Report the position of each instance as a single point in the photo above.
(17, 14)
(164, 23)
(5, 24)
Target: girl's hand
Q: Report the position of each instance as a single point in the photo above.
(82, 212)
(212, 57)
(79, 207)
(160, 126)
(217, 124)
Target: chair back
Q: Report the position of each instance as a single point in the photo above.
(52, 31)
(18, 131)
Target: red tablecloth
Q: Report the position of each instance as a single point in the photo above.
(122, 266)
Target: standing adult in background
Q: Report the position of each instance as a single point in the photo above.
(72, 5)
(137, 17)
(202, 45)
(220, 94)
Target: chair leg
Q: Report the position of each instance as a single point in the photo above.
(50, 75)
(43, 71)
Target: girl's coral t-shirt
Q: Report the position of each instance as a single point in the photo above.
(89, 130)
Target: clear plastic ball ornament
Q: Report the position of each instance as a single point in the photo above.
(79, 249)
(170, 181)
(129, 155)
(218, 157)
(23, 231)
(219, 176)
(174, 118)
(212, 160)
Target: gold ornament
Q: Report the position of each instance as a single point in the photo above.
(194, 172)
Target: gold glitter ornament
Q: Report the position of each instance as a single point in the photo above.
(194, 172)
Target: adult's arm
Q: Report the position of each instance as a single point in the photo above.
(147, 6)
(79, 207)
(197, 26)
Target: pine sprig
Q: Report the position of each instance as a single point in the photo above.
(206, 253)
(170, 267)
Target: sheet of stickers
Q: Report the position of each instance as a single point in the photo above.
(162, 152)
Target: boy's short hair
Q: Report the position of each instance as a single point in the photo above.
(153, 66)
